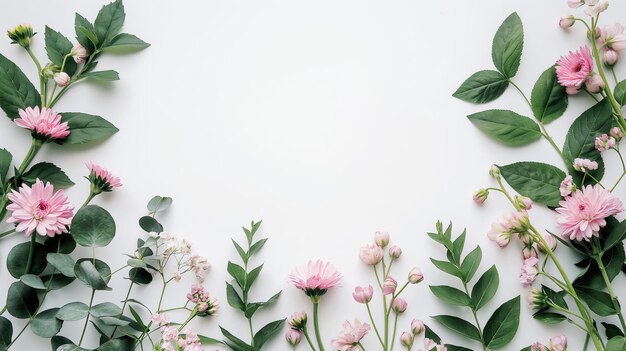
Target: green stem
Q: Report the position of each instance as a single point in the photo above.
(4, 309)
(7, 233)
(609, 285)
(88, 200)
(82, 335)
(308, 338)
(480, 329)
(31, 253)
(124, 305)
(369, 312)
(361, 346)
(316, 325)
(393, 335)
(42, 86)
(18, 335)
(191, 316)
(251, 332)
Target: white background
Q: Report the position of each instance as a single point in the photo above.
(329, 120)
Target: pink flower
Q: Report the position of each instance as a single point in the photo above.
(315, 278)
(575, 3)
(567, 186)
(481, 196)
(567, 21)
(399, 305)
(528, 252)
(596, 8)
(572, 70)
(40, 209)
(169, 334)
(613, 37)
(293, 337)
(616, 133)
(79, 53)
(395, 252)
(558, 343)
(62, 79)
(507, 225)
(529, 271)
(177, 276)
(101, 178)
(406, 340)
(584, 165)
(583, 214)
(350, 337)
(605, 142)
(417, 327)
(297, 320)
(594, 83)
(610, 57)
(415, 275)
(371, 254)
(159, 319)
(538, 347)
(44, 124)
(389, 285)
(381, 238)
(206, 304)
(363, 294)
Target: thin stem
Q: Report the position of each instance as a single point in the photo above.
(18, 335)
(8, 232)
(308, 338)
(42, 86)
(4, 309)
(522, 93)
(191, 316)
(401, 289)
(480, 333)
(395, 328)
(546, 135)
(251, 332)
(130, 288)
(82, 335)
(361, 346)
(369, 312)
(316, 324)
(31, 253)
(614, 75)
(88, 200)
(609, 285)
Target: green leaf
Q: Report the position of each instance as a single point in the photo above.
(268, 332)
(33, 281)
(613, 233)
(150, 224)
(22, 300)
(482, 87)
(205, 340)
(60, 244)
(620, 93)
(555, 297)
(137, 318)
(616, 344)
(140, 276)
(57, 47)
(109, 21)
(580, 139)
(450, 295)
(46, 324)
(430, 334)
(242, 253)
(485, 288)
(125, 42)
(85, 128)
(254, 249)
(548, 98)
(85, 33)
(94, 276)
(549, 317)
(450, 347)
(5, 165)
(16, 91)
(233, 298)
(58, 341)
(253, 307)
(159, 203)
(598, 301)
(251, 277)
(121, 344)
(611, 330)
(502, 326)
(507, 127)
(6, 331)
(63, 263)
(447, 267)
(238, 273)
(538, 181)
(235, 340)
(470, 264)
(103, 76)
(93, 226)
(105, 309)
(47, 172)
(56, 281)
(459, 325)
(19, 254)
(506, 50)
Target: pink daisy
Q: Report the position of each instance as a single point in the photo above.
(45, 124)
(572, 70)
(40, 209)
(582, 214)
(351, 336)
(315, 278)
(101, 178)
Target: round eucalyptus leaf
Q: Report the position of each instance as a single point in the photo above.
(105, 309)
(150, 225)
(140, 276)
(46, 324)
(159, 203)
(22, 300)
(16, 260)
(58, 341)
(73, 311)
(62, 262)
(33, 281)
(63, 243)
(95, 276)
(56, 281)
(6, 332)
(93, 226)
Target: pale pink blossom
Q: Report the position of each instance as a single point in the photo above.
(613, 37)
(429, 344)
(415, 275)
(79, 53)
(62, 79)
(177, 276)
(529, 271)
(389, 285)
(399, 305)
(572, 70)
(558, 343)
(567, 186)
(159, 319)
(528, 252)
(205, 303)
(572, 90)
(584, 165)
(39, 208)
(44, 124)
(315, 278)
(597, 8)
(582, 214)
(610, 57)
(417, 327)
(371, 254)
(406, 339)
(169, 333)
(481, 196)
(567, 21)
(594, 83)
(101, 178)
(507, 225)
(537, 346)
(616, 132)
(575, 3)
(605, 142)
(363, 294)
(297, 320)
(381, 238)
(293, 337)
(395, 252)
(350, 337)
(551, 241)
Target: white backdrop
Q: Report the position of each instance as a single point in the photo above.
(329, 120)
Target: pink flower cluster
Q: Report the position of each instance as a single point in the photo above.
(605, 142)
(584, 165)
(45, 125)
(173, 340)
(205, 303)
(530, 269)
(349, 339)
(515, 223)
(557, 343)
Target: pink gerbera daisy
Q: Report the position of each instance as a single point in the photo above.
(315, 278)
(572, 70)
(45, 125)
(351, 336)
(582, 214)
(101, 178)
(40, 209)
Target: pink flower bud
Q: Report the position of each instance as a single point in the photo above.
(584, 165)
(575, 3)
(597, 8)
(399, 305)
(481, 196)
(494, 171)
(567, 186)
(381, 238)
(610, 57)
(528, 252)
(616, 133)
(429, 344)
(79, 53)
(406, 339)
(537, 346)
(395, 252)
(594, 83)
(293, 337)
(567, 21)
(558, 343)
(363, 294)
(371, 254)
(415, 276)
(551, 241)
(572, 90)
(523, 202)
(536, 299)
(62, 79)
(389, 286)
(417, 327)
(297, 320)
(529, 271)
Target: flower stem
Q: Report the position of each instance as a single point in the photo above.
(42, 86)
(191, 316)
(88, 200)
(316, 325)
(308, 338)
(369, 312)
(31, 253)
(393, 335)
(7, 232)
(82, 335)
(609, 285)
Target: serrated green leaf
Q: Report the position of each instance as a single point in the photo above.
(485, 288)
(47, 172)
(16, 91)
(109, 22)
(125, 42)
(506, 50)
(103, 76)
(57, 47)
(502, 325)
(85, 128)
(538, 181)
(548, 98)
(85, 33)
(482, 87)
(507, 127)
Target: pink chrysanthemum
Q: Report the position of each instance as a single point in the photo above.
(101, 178)
(572, 70)
(315, 278)
(40, 209)
(582, 214)
(351, 336)
(45, 124)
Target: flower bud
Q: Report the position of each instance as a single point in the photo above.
(537, 346)
(389, 285)
(62, 79)
(371, 254)
(363, 294)
(79, 53)
(381, 238)
(297, 320)
(417, 327)
(594, 83)
(528, 252)
(50, 70)
(395, 252)
(567, 186)
(399, 305)
(21, 35)
(558, 343)
(293, 337)
(575, 3)
(610, 57)
(523, 202)
(616, 133)
(572, 90)
(605, 142)
(494, 171)
(551, 241)
(415, 276)
(536, 299)
(406, 339)
(481, 196)
(567, 21)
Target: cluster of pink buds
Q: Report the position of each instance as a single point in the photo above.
(173, 340)
(205, 303)
(557, 343)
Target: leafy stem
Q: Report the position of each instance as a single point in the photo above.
(616, 305)
(82, 335)
(42, 82)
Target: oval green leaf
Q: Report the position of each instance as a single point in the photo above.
(507, 127)
(482, 87)
(506, 50)
(93, 226)
(537, 181)
(548, 98)
(502, 326)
